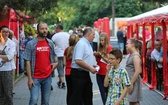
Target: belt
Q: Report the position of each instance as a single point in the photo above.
(80, 69)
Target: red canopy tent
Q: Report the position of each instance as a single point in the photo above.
(13, 19)
(103, 26)
(152, 18)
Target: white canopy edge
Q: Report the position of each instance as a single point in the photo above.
(162, 10)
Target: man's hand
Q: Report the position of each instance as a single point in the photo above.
(161, 60)
(96, 54)
(108, 67)
(93, 70)
(54, 66)
(30, 83)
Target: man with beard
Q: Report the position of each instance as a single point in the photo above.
(40, 60)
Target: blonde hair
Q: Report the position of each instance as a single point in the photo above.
(102, 48)
(149, 45)
(73, 39)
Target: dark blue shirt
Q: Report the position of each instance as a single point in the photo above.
(120, 37)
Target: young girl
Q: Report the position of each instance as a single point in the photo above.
(101, 57)
(73, 39)
(133, 67)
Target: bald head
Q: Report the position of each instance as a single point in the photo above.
(89, 34)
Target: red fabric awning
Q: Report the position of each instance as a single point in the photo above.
(19, 16)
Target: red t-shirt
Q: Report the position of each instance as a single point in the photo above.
(68, 63)
(102, 65)
(42, 64)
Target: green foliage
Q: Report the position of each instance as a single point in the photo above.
(33, 8)
(131, 8)
(29, 29)
(73, 13)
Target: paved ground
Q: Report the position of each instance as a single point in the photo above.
(58, 96)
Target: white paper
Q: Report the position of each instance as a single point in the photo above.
(97, 68)
(101, 60)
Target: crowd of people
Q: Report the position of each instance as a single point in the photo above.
(74, 55)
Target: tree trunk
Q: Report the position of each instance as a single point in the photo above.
(113, 17)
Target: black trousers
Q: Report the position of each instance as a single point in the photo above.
(69, 87)
(81, 88)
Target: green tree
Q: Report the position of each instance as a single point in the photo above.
(159, 3)
(131, 8)
(74, 13)
(34, 8)
(29, 29)
(82, 12)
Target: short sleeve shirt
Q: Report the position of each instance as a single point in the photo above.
(118, 79)
(83, 51)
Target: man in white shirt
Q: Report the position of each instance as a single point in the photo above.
(96, 41)
(155, 55)
(61, 40)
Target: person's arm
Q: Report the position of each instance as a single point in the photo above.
(124, 93)
(55, 64)
(64, 60)
(96, 54)
(4, 58)
(65, 56)
(138, 70)
(27, 56)
(104, 57)
(161, 60)
(28, 71)
(82, 64)
(9, 54)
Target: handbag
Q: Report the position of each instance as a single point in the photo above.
(2, 53)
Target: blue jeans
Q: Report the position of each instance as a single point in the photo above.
(45, 85)
(21, 61)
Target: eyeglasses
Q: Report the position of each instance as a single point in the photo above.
(5, 32)
(111, 59)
